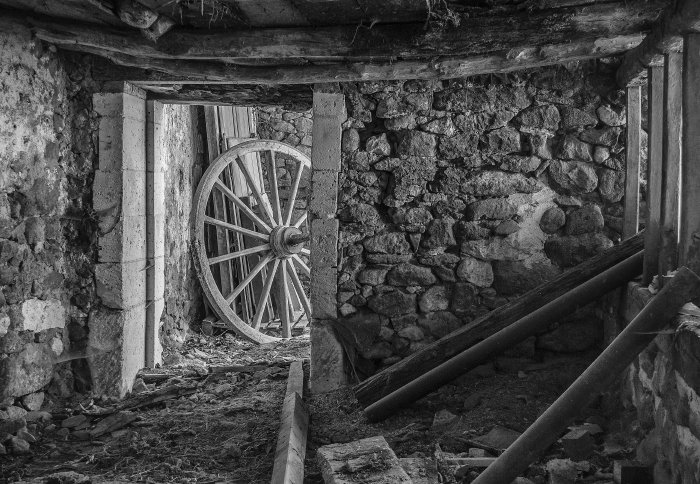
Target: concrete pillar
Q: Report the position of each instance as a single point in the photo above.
(155, 232)
(117, 336)
(327, 357)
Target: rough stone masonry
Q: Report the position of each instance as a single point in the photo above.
(458, 196)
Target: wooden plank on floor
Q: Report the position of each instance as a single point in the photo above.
(294, 426)
(689, 244)
(633, 150)
(654, 175)
(671, 160)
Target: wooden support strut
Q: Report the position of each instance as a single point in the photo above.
(632, 166)
(294, 425)
(388, 380)
(660, 311)
(522, 329)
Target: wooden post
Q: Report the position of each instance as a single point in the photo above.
(633, 151)
(671, 161)
(654, 175)
(689, 246)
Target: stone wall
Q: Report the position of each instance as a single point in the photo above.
(663, 388)
(47, 224)
(458, 196)
(183, 160)
(293, 128)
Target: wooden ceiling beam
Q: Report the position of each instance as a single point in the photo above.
(473, 37)
(438, 68)
(683, 16)
(293, 97)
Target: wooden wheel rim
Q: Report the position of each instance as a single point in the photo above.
(202, 261)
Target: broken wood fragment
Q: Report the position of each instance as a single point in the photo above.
(656, 315)
(160, 395)
(114, 422)
(362, 461)
(392, 378)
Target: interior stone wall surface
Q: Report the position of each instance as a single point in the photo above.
(47, 224)
(458, 196)
(183, 158)
(662, 387)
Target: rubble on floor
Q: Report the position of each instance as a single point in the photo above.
(212, 415)
(450, 436)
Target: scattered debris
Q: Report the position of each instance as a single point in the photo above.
(578, 444)
(499, 437)
(361, 461)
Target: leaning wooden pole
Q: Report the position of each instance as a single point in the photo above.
(406, 370)
(684, 287)
(527, 326)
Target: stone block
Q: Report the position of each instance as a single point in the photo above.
(154, 133)
(155, 279)
(27, 371)
(39, 315)
(154, 349)
(117, 348)
(327, 371)
(323, 201)
(121, 285)
(324, 289)
(126, 241)
(122, 144)
(124, 189)
(329, 104)
(155, 193)
(324, 243)
(325, 150)
(155, 236)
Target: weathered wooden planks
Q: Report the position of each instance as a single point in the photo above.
(633, 154)
(670, 192)
(689, 244)
(406, 370)
(654, 173)
(294, 424)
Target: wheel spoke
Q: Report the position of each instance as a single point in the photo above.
(284, 303)
(301, 220)
(293, 195)
(302, 265)
(274, 191)
(240, 253)
(242, 206)
(264, 296)
(254, 188)
(299, 288)
(254, 272)
(236, 228)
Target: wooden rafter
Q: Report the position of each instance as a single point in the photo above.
(204, 72)
(683, 16)
(473, 37)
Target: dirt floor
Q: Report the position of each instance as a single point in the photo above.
(218, 418)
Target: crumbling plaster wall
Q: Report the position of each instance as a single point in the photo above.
(456, 197)
(47, 225)
(662, 387)
(183, 159)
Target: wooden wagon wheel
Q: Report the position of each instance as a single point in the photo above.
(271, 217)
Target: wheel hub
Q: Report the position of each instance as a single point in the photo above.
(283, 241)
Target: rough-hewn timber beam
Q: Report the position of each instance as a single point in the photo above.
(407, 41)
(292, 97)
(682, 16)
(438, 68)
